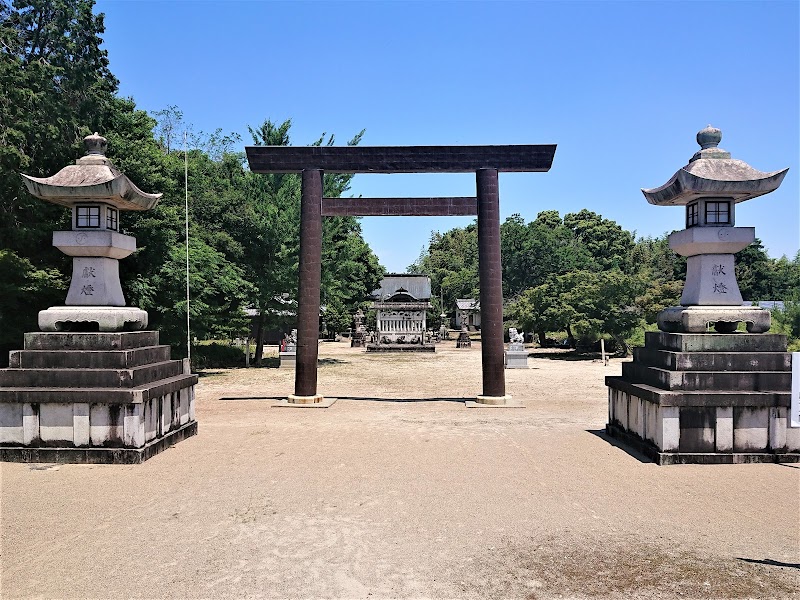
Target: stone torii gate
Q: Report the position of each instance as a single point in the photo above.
(485, 161)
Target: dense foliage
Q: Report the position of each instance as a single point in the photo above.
(586, 277)
(57, 88)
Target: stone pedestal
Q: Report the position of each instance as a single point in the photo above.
(288, 360)
(725, 319)
(94, 397)
(706, 398)
(516, 356)
(92, 318)
(463, 340)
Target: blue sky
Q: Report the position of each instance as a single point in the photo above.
(621, 87)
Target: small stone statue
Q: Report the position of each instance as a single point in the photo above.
(291, 341)
(516, 355)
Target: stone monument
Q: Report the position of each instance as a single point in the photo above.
(691, 395)
(516, 355)
(92, 386)
(288, 355)
(359, 338)
(463, 340)
(444, 330)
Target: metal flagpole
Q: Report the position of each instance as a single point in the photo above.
(186, 211)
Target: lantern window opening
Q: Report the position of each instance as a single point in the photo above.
(692, 215)
(718, 212)
(87, 217)
(112, 220)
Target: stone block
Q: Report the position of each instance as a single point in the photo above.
(101, 318)
(712, 361)
(778, 420)
(191, 404)
(81, 435)
(104, 243)
(710, 280)
(635, 416)
(668, 434)
(651, 422)
(612, 402)
(724, 434)
(106, 424)
(151, 420)
(516, 360)
(712, 241)
(697, 429)
(622, 409)
(792, 438)
(89, 359)
(11, 424)
(95, 282)
(133, 426)
(90, 378)
(750, 429)
(707, 380)
(56, 424)
(288, 360)
(30, 423)
(716, 342)
(176, 409)
(166, 413)
(122, 340)
(184, 406)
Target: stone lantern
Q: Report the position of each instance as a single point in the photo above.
(710, 187)
(92, 386)
(96, 192)
(694, 396)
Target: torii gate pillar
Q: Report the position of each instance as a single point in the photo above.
(305, 376)
(491, 281)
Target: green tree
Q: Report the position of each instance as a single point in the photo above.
(541, 310)
(608, 244)
(532, 252)
(23, 281)
(270, 238)
(588, 303)
(451, 261)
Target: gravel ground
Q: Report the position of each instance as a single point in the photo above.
(400, 491)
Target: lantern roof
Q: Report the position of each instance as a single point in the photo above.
(712, 173)
(93, 178)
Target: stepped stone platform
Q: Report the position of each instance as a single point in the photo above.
(706, 398)
(93, 397)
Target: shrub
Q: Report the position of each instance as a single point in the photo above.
(215, 355)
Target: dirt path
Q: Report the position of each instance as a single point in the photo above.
(389, 494)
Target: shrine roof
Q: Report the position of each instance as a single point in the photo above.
(416, 286)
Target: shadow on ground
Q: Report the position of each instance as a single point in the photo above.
(601, 433)
(373, 399)
(770, 562)
(271, 398)
(570, 355)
